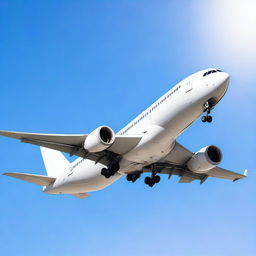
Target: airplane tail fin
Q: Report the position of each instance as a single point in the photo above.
(54, 161)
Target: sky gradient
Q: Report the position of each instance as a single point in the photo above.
(71, 66)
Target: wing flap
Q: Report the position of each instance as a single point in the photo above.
(32, 178)
(186, 179)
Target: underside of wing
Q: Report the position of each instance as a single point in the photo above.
(66, 139)
(73, 144)
(186, 176)
(68, 143)
(179, 155)
(221, 173)
(32, 178)
(175, 163)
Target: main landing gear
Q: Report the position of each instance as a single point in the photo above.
(133, 176)
(207, 109)
(151, 181)
(111, 170)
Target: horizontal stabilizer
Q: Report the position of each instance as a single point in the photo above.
(36, 179)
(80, 195)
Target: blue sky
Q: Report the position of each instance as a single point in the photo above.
(70, 66)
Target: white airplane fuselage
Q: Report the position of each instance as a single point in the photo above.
(160, 125)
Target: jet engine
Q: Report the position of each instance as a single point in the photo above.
(205, 159)
(99, 139)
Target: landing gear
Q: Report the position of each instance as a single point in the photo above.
(206, 119)
(207, 109)
(111, 170)
(151, 181)
(133, 176)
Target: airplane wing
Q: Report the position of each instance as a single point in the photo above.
(73, 143)
(32, 178)
(175, 164)
(221, 173)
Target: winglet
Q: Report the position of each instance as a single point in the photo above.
(244, 175)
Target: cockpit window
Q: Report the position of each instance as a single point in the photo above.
(211, 71)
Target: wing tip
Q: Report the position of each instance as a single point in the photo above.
(7, 173)
(244, 175)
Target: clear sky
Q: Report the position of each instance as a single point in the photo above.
(70, 66)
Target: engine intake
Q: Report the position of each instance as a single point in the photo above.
(205, 159)
(99, 139)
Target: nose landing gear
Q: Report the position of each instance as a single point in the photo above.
(207, 109)
(206, 118)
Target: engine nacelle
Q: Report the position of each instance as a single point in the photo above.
(205, 159)
(99, 139)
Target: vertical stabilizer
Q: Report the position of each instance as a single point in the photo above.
(54, 161)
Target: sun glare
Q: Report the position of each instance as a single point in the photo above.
(229, 27)
(239, 21)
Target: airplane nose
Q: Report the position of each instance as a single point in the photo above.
(225, 79)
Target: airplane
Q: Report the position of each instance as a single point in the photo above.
(148, 144)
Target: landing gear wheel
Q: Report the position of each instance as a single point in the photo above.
(112, 169)
(204, 119)
(151, 182)
(104, 171)
(209, 119)
(156, 179)
(115, 167)
(108, 175)
(147, 180)
(135, 177)
(129, 177)
(207, 109)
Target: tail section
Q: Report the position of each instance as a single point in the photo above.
(54, 161)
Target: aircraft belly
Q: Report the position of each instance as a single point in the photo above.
(150, 150)
(159, 146)
(84, 178)
(100, 182)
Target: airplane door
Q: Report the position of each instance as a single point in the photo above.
(188, 86)
(189, 96)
